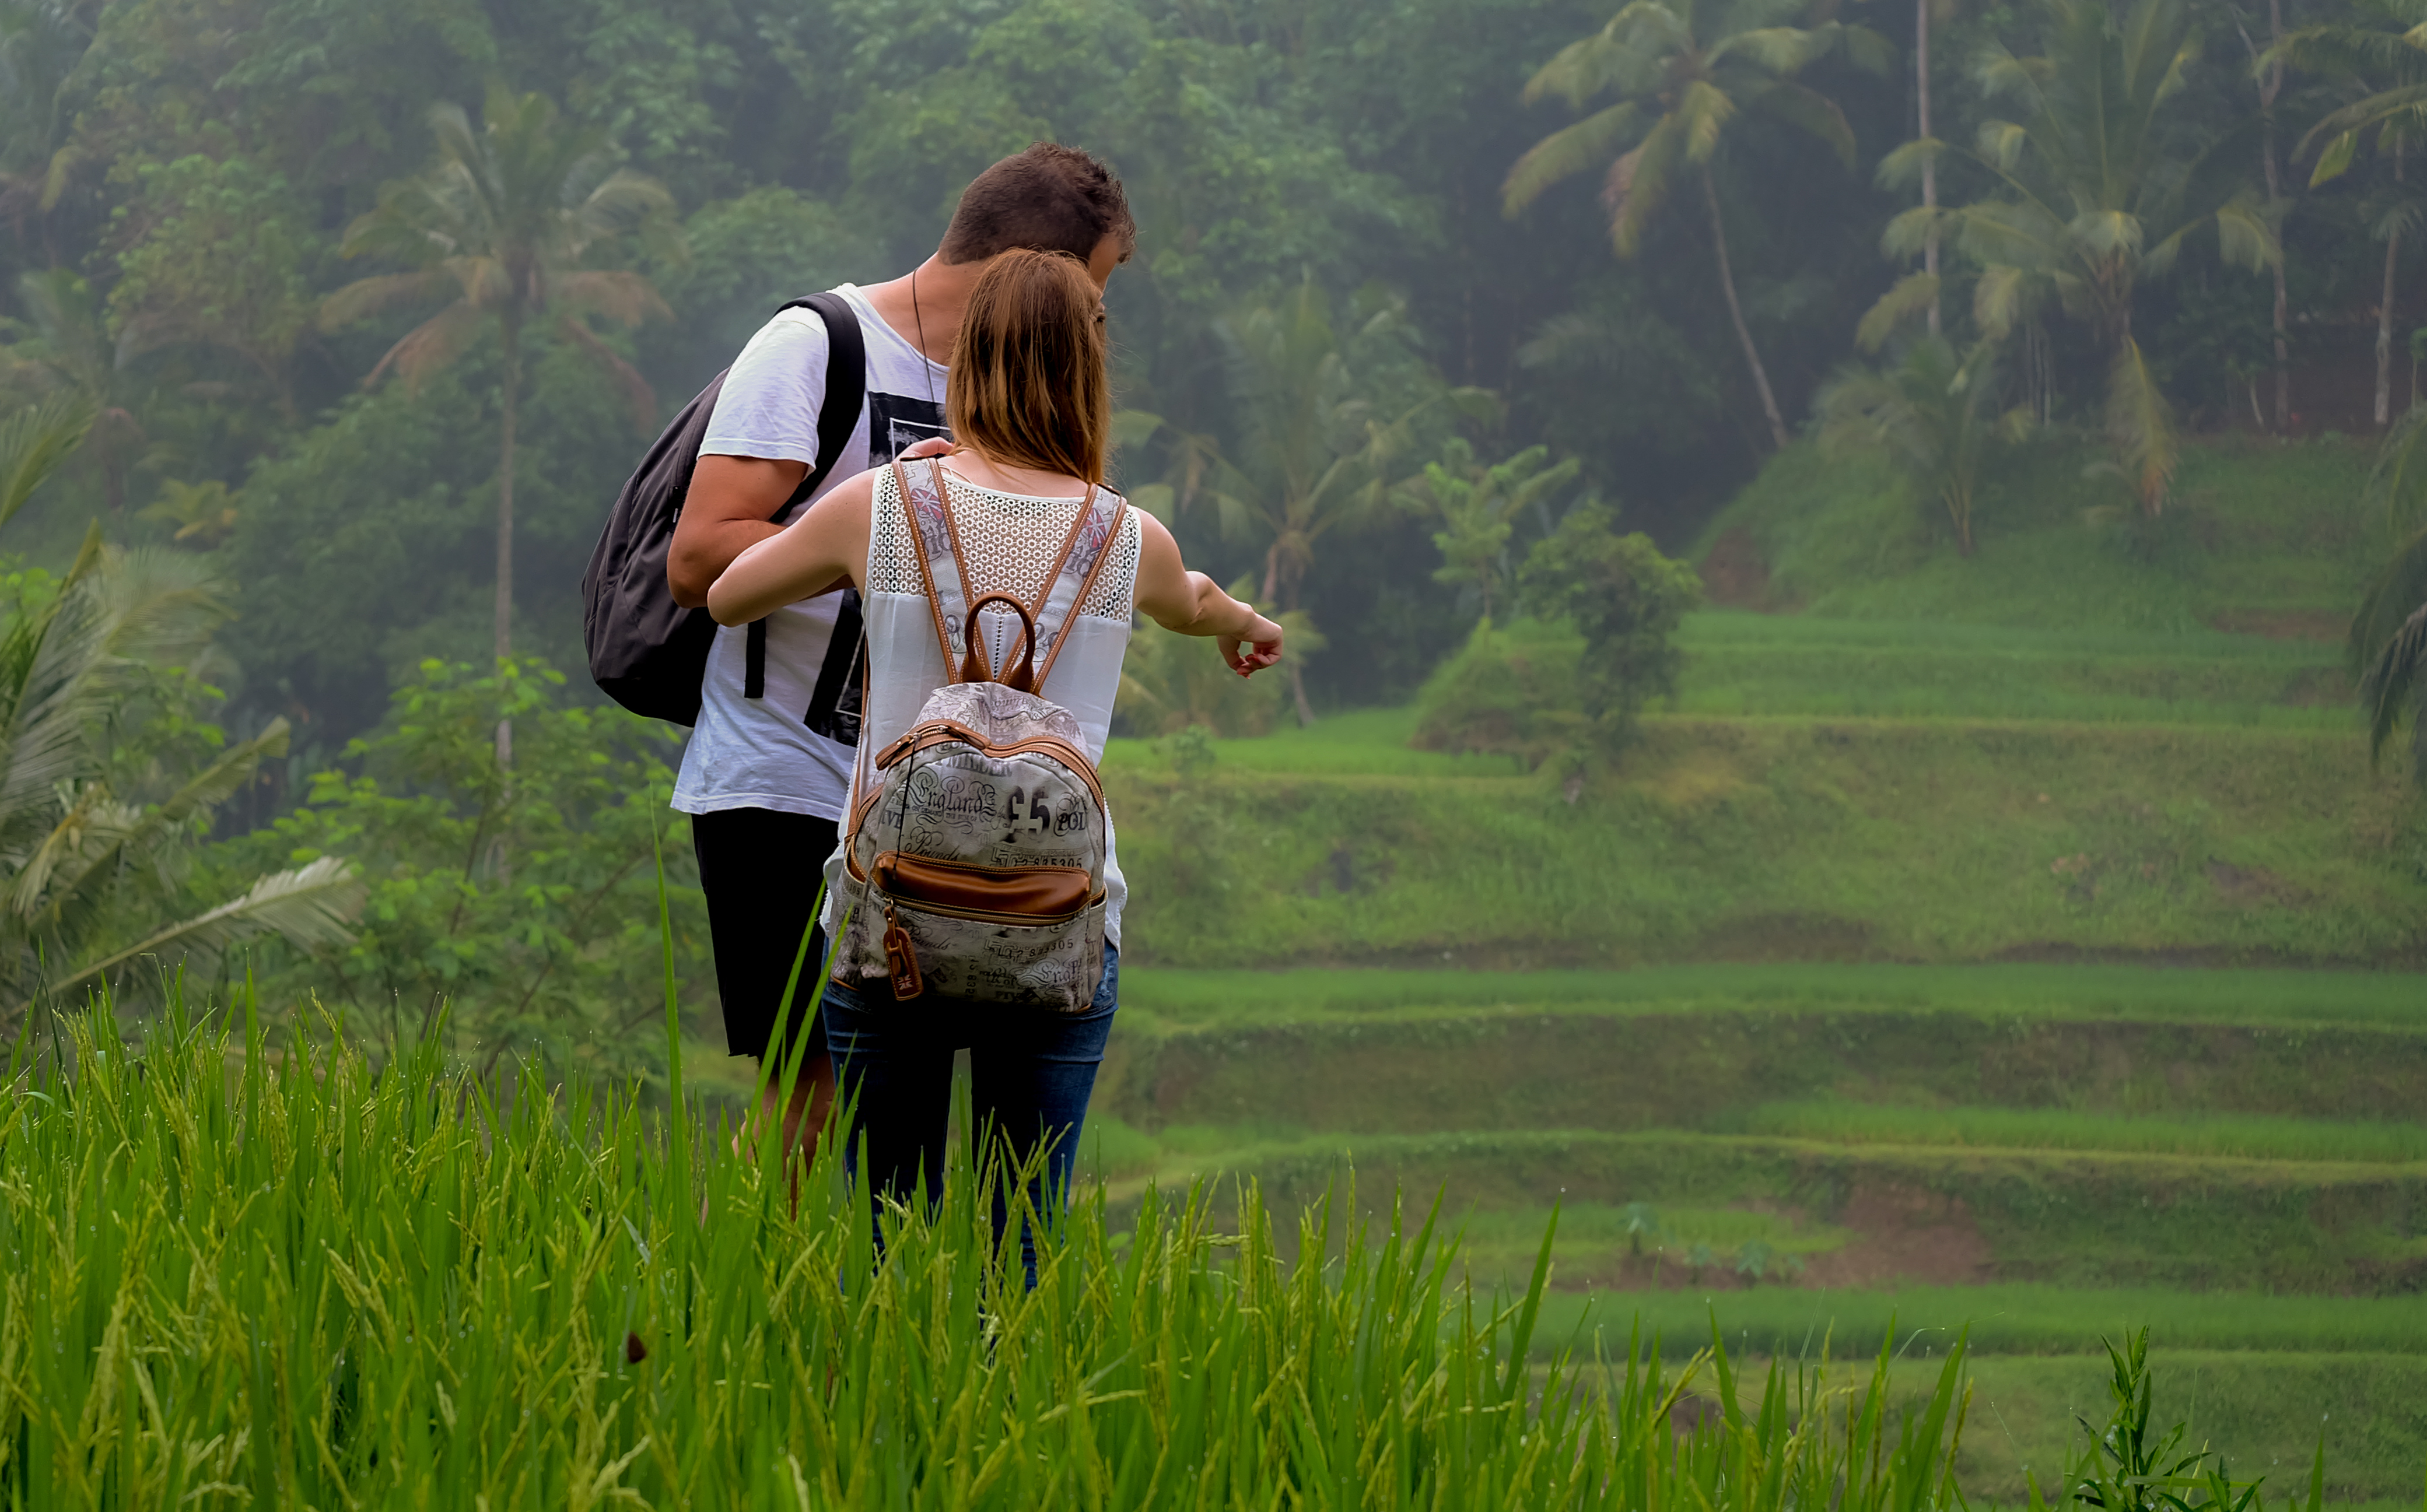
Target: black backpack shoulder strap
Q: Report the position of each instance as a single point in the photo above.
(838, 417)
(846, 388)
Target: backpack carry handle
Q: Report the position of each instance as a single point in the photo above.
(974, 665)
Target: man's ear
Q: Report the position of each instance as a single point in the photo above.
(1109, 254)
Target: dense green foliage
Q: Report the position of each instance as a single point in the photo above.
(189, 181)
(517, 904)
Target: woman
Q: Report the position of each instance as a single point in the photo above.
(1029, 406)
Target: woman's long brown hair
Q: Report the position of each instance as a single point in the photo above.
(1027, 386)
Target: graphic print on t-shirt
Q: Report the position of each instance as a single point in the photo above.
(895, 423)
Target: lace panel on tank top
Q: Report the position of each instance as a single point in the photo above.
(1008, 542)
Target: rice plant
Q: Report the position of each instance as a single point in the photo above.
(263, 1270)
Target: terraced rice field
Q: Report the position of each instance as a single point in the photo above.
(2048, 1155)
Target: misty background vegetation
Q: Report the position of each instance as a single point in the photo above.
(1454, 327)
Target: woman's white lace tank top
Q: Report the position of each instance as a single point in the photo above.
(1008, 543)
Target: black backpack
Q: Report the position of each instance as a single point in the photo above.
(646, 652)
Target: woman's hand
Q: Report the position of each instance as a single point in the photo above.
(1263, 635)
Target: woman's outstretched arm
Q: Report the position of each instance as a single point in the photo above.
(1192, 603)
(824, 549)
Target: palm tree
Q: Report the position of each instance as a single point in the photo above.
(2378, 57)
(40, 43)
(2093, 199)
(72, 348)
(1684, 71)
(1934, 412)
(85, 869)
(2387, 647)
(1313, 455)
(501, 224)
(1477, 506)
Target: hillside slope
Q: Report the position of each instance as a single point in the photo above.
(2072, 743)
(1781, 838)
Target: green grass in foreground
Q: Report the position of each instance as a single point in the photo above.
(240, 1277)
(2237, 1137)
(2240, 995)
(2267, 1410)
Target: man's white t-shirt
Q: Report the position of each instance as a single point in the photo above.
(791, 749)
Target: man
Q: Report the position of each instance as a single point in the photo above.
(768, 768)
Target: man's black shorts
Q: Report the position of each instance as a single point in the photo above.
(761, 869)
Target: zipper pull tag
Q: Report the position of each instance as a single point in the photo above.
(900, 959)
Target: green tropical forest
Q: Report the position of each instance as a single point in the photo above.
(1830, 902)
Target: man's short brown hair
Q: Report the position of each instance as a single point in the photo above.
(1027, 386)
(1050, 198)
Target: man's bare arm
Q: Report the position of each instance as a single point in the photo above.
(730, 508)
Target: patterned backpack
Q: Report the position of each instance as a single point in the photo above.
(975, 852)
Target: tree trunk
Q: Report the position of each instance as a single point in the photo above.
(2385, 315)
(513, 380)
(2385, 335)
(1735, 313)
(1289, 586)
(1928, 168)
(2269, 85)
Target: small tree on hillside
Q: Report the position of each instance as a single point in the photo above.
(1627, 600)
(1315, 453)
(1477, 506)
(1935, 413)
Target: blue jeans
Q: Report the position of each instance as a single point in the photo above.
(1031, 1073)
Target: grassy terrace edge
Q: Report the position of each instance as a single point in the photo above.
(1781, 840)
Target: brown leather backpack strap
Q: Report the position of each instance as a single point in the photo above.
(1096, 541)
(953, 534)
(932, 541)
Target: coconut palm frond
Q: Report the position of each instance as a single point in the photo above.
(35, 440)
(310, 907)
(627, 299)
(1901, 168)
(433, 344)
(367, 297)
(91, 822)
(1639, 183)
(640, 400)
(2396, 490)
(73, 898)
(1910, 296)
(1577, 72)
(2140, 425)
(2361, 114)
(63, 667)
(2393, 686)
(624, 198)
(1565, 152)
(1812, 113)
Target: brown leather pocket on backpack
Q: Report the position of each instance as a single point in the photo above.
(1011, 894)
